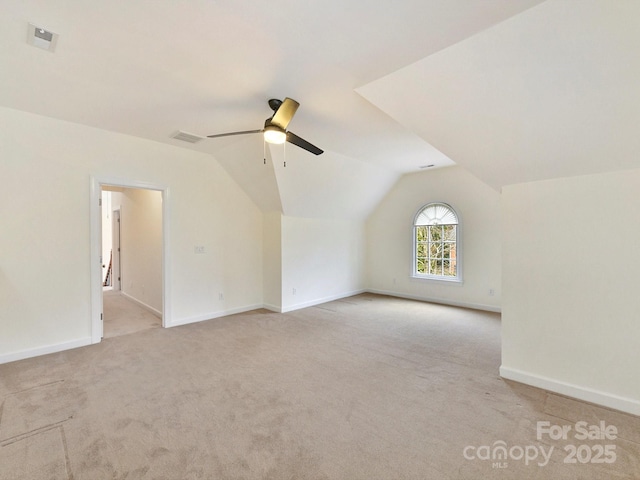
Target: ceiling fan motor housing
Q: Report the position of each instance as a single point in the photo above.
(274, 103)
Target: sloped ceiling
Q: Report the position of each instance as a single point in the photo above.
(552, 92)
(149, 69)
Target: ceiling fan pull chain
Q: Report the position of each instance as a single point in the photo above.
(284, 153)
(264, 151)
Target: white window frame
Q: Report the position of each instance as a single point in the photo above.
(457, 279)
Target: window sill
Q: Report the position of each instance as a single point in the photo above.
(441, 280)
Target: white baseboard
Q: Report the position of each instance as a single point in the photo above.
(318, 301)
(273, 308)
(440, 301)
(149, 308)
(627, 405)
(212, 315)
(44, 350)
(11, 357)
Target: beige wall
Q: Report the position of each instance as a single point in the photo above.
(322, 260)
(46, 167)
(308, 261)
(390, 242)
(141, 246)
(272, 255)
(571, 307)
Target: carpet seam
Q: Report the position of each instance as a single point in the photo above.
(37, 386)
(31, 433)
(67, 462)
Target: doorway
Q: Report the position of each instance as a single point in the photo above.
(115, 251)
(132, 260)
(129, 276)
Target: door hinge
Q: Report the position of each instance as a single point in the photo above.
(99, 202)
(100, 316)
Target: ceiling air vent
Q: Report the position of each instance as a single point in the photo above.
(41, 38)
(187, 137)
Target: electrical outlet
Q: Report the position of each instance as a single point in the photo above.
(294, 291)
(492, 292)
(198, 249)
(221, 296)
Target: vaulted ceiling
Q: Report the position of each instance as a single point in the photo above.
(552, 92)
(513, 90)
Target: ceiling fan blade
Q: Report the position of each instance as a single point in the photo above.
(302, 143)
(233, 133)
(285, 113)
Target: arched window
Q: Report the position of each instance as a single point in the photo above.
(436, 251)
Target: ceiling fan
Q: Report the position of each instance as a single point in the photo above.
(275, 127)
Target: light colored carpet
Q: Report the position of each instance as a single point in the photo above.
(368, 387)
(123, 316)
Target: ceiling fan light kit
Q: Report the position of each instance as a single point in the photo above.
(274, 134)
(275, 127)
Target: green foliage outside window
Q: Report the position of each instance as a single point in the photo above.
(436, 250)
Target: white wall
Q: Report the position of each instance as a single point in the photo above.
(571, 307)
(46, 167)
(141, 246)
(322, 260)
(272, 261)
(390, 239)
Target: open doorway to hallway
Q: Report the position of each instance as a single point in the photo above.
(132, 238)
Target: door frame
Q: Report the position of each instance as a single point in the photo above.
(97, 182)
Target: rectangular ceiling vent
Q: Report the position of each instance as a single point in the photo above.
(187, 137)
(41, 38)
